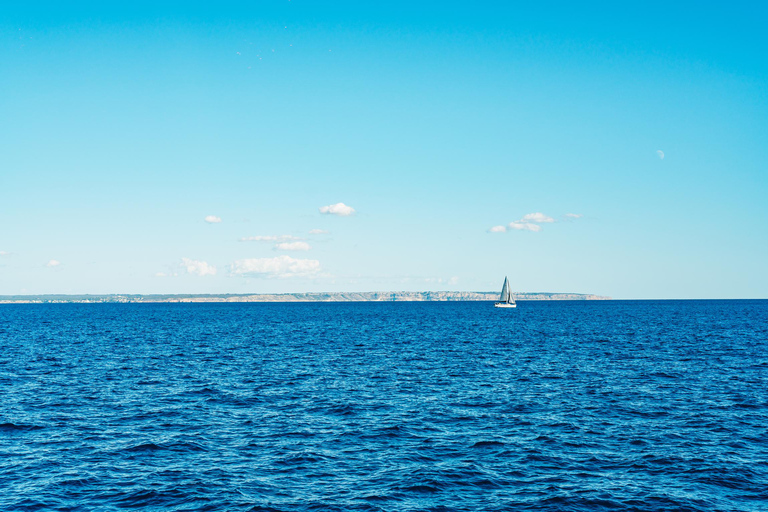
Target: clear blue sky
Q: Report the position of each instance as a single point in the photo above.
(123, 128)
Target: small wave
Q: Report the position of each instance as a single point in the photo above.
(668, 503)
(485, 444)
(342, 410)
(300, 458)
(159, 498)
(145, 447)
(32, 505)
(174, 447)
(487, 484)
(202, 391)
(663, 375)
(77, 482)
(523, 408)
(421, 488)
(582, 503)
(375, 497)
(13, 427)
(747, 405)
(393, 431)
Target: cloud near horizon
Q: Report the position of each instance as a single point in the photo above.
(573, 215)
(279, 267)
(197, 267)
(212, 219)
(339, 209)
(318, 231)
(292, 246)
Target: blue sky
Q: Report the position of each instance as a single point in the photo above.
(462, 134)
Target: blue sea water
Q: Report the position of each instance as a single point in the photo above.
(619, 405)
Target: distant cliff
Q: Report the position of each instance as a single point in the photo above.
(298, 297)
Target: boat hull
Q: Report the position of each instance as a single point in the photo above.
(504, 305)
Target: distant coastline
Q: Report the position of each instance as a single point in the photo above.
(293, 297)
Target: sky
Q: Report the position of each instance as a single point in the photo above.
(304, 146)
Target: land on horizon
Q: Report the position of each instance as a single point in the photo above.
(438, 296)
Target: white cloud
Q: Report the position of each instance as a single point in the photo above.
(212, 219)
(337, 209)
(524, 226)
(4, 253)
(660, 153)
(536, 217)
(318, 232)
(292, 246)
(160, 274)
(529, 222)
(279, 267)
(269, 238)
(573, 215)
(200, 268)
(53, 263)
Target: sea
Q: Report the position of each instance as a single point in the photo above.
(401, 406)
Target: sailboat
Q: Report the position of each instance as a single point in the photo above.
(505, 300)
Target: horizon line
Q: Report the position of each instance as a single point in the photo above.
(9, 298)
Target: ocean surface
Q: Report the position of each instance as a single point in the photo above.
(616, 405)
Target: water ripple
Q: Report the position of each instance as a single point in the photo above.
(575, 406)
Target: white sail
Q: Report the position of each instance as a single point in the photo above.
(506, 294)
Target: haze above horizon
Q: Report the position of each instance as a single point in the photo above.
(292, 146)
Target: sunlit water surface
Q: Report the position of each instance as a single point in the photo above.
(385, 406)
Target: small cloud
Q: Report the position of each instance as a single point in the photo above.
(529, 222)
(337, 209)
(453, 280)
(292, 246)
(270, 238)
(524, 226)
(318, 232)
(200, 268)
(660, 153)
(279, 267)
(536, 217)
(573, 215)
(160, 274)
(53, 263)
(212, 219)
(4, 253)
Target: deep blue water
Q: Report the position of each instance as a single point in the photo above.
(621, 405)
